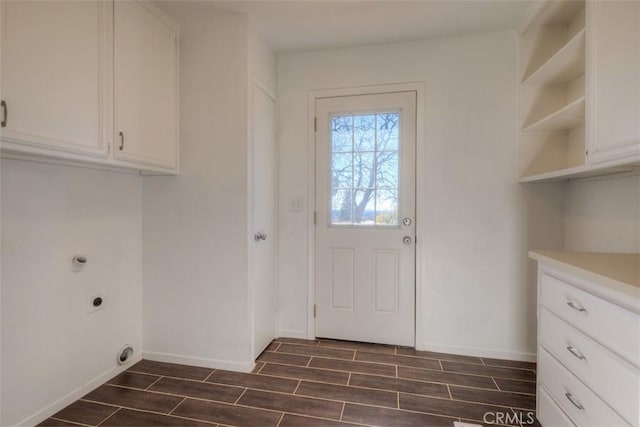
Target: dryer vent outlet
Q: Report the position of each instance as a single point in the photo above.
(125, 354)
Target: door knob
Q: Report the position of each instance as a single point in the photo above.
(260, 236)
(406, 240)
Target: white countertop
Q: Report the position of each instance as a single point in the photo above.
(616, 275)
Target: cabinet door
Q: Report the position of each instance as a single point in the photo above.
(55, 76)
(614, 80)
(146, 86)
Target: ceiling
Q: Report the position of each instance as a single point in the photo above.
(293, 26)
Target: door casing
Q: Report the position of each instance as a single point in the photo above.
(419, 88)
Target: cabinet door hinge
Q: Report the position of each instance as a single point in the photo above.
(315, 124)
(314, 311)
(315, 217)
(109, 148)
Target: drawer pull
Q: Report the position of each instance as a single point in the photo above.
(576, 306)
(575, 402)
(577, 353)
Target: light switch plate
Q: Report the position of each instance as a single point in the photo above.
(296, 204)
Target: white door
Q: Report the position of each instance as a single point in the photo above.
(263, 211)
(365, 220)
(55, 75)
(146, 79)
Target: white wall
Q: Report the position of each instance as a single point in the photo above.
(478, 289)
(51, 346)
(603, 215)
(196, 307)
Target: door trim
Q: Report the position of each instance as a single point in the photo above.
(314, 95)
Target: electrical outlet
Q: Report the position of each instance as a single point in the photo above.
(296, 204)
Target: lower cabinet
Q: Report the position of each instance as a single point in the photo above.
(588, 355)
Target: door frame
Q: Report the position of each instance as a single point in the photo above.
(417, 87)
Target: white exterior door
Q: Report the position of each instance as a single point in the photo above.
(365, 220)
(263, 211)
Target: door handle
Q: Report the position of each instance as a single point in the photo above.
(260, 236)
(121, 141)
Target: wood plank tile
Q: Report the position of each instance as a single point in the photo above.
(414, 362)
(296, 341)
(224, 413)
(516, 385)
(446, 377)
(134, 380)
(397, 384)
(350, 366)
(392, 417)
(493, 371)
(284, 358)
(129, 417)
(527, 416)
(261, 382)
(440, 356)
(135, 399)
(171, 370)
(361, 346)
(509, 363)
(209, 391)
(51, 422)
(501, 398)
(85, 412)
(447, 407)
(292, 404)
(273, 346)
(322, 375)
(349, 394)
(291, 420)
(316, 351)
(259, 365)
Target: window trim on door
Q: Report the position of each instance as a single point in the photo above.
(314, 95)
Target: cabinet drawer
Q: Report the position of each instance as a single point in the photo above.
(582, 406)
(615, 380)
(549, 414)
(616, 328)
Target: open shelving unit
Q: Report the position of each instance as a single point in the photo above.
(552, 91)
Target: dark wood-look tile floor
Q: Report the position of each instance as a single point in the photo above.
(313, 383)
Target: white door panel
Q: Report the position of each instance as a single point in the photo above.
(263, 260)
(365, 187)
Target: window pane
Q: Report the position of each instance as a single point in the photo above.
(386, 207)
(341, 133)
(364, 133)
(341, 206)
(387, 131)
(364, 206)
(387, 174)
(342, 170)
(364, 170)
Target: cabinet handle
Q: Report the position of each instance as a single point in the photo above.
(575, 402)
(576, 306)
(577, 353)
(5, 113)
(121, 141)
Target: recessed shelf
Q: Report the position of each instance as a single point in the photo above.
(568, 117)
(565, 65)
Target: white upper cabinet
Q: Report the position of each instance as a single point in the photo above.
(146, 82)
(90, 81)
(614, 57)
(54, 85)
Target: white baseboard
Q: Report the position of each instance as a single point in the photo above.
(227, 365)
(479, 352)
(76, 394)
(292, 333)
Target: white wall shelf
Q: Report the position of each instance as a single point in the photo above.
(565, 65)
(567, 117)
